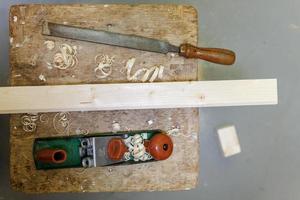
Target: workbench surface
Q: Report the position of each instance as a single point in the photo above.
(33, 63)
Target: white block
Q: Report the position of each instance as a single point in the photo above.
(229, 141)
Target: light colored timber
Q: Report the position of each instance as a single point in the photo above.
(137, 96)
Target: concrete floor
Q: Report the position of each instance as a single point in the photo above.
(266, 37)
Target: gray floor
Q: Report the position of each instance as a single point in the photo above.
(266, 36)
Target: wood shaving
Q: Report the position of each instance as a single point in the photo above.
(49, 65)
(11, 40)
(161, 72)
(33, 60)
(110, 170)
(66, 58)
(61, 122)
(81, 131)
(26, 40)
(137, 150)
(154, 75)
(172, 55)
(15, 18)
(144, 74)
(126, 156)
(81, 171)
(174, 131)
(104, 65)
(42, 77)
(115, 127)
(49, 44)
(150, 122)
(44, 118)
(29, 122)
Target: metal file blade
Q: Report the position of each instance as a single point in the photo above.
(109, 38)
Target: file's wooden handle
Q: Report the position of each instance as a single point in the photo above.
(215, 55)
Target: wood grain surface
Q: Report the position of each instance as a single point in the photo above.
(92, 97)
(30, 62)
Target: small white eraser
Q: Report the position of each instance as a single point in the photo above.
(229, 141)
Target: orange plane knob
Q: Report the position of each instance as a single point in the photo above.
(160, 146)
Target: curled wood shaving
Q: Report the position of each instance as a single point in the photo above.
(104, 65)
(149, 74)
(29, 122)
(44, 118)
(81, 131)
(61, 122)
(137, 150)
(127, 156)
(66, 58)
(49, 44)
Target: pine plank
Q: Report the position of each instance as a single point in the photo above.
(91, 97)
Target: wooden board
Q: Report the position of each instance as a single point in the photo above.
(92, 97)
(30, 58)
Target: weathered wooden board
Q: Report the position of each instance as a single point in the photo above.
(31, 64)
